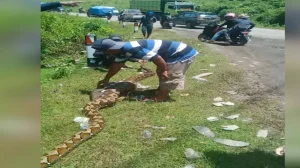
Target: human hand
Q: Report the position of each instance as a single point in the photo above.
(164, 75)
(70, 3)
(102, 83)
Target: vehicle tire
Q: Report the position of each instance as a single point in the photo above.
(243, 41)
(189, 25)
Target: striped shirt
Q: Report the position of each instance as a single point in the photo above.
(170, 51)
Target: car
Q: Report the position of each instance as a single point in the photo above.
(132, 15)
(192, 19)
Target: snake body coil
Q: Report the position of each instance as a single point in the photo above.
(106, 97)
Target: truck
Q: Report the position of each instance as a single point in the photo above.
(161, 7)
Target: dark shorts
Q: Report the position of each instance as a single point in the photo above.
(147, 29)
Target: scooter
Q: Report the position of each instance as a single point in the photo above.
(166, 23)
(239, 38)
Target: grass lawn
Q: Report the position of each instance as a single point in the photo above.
(120, 144)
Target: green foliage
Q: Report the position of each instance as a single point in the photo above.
(265, 12)
(64, 34)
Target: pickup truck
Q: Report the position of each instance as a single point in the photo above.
(192, 19)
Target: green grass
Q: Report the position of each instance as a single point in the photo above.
(120, 144)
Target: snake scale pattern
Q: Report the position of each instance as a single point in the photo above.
(100, 98)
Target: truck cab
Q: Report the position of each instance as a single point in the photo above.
(176, 7)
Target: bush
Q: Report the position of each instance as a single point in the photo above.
(64, 34)
(265, 12)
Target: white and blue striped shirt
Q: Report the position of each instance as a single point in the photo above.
(170, 51)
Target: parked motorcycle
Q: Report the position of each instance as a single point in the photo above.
(239, 38)
(166, 22)
(81, 10)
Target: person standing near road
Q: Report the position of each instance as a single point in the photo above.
(147, 24)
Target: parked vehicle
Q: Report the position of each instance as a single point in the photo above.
(239, 38)
(160, 7)
(101, 11)
(130, 15)
(192, 19)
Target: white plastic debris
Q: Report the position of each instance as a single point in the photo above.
(204, 74)
(60, 85)
(212, 65)
(80, 109)
(246, 120)
(146, 134)
(83, 122)
(218, 99)
(232, 117)
(230, 127)
(81, 119)
(200, 79)
(212, 119)
(140, 72)
(170, 117)
(140, 86)
(228, 103)
(184, 95)
(204, 131)
(169, 139)
(262, 133)
(218, 104)
(230, 142)
(231, 92)
(189, 166)
(191, 154)
(154, 127)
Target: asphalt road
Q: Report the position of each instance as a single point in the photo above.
(262, 58)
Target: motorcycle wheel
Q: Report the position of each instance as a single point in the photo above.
(202, 37)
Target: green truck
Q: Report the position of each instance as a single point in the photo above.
(160, 7)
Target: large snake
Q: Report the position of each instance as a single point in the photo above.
(100, 98)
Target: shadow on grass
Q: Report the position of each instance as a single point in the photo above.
(86, 92)
(145, 93)
(253, 159)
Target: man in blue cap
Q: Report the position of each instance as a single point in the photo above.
(171, 58)
(147, 22)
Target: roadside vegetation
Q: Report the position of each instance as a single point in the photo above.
(65, 88)
(265, 13)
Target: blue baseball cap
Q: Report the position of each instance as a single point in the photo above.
(106, 43)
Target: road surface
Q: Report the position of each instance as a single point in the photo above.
(262, 58)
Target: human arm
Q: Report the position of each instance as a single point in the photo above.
(113, 69)
(161, 65)
(251, 25)
(141, 21)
